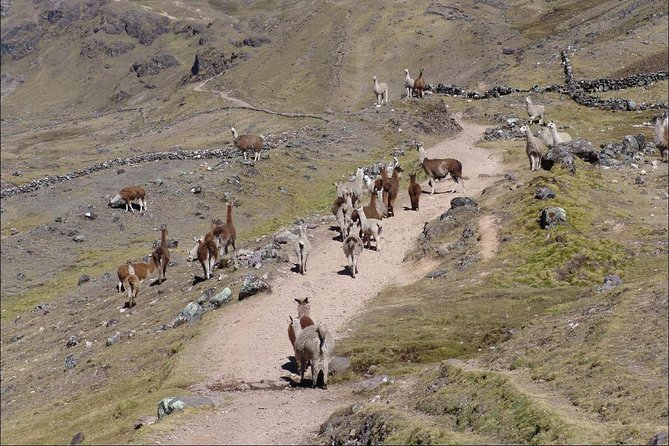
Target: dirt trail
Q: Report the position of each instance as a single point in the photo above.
(251, 344)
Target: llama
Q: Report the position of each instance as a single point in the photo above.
(313, 344)
(372, 210)
(127, 195)
(207, 254)
(408, 83)
(302, 248)
(226, 234)
(369, 228)
(558, 137)
(534, 148)
(248, 142)
(381, 92)
(419, 84)
(661, 134)
(131, 275)
(436, 169)
(545, 135)
(303, 316)
(534, 111)
(344, 213)
(393, 189)
(414, 191)
(381, 207)
(162, 253)
(352, 247)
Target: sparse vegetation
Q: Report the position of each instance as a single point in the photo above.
(524, 348)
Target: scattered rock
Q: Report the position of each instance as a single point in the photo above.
(146, 420)
(91, 215)
(252, 285)
(221, 298)
(191, 313)
(78, 438)
(372, 383)
(74, 340)
(339, 365)
(551, 217)
(20, 276)
(285, 237)
(544, 193)
(168, 405)
(196, 189)
(610, 282)
(463, 201)
(658, 439)
(113, 339)
(640, 180)
(436, 274)
(70, 362)
(16, 338)
(79, 238)
(83, 279)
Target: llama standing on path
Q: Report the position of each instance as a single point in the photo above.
(248, 142)
(302, 248)
(437, 169)
(414, 191)
(162, 253)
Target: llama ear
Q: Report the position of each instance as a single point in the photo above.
(306, 300)
(298, 300)
(291, 318)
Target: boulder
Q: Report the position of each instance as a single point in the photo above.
(551, 217)
(252, 285)
(463, 201)
(221, 298)
(191, 313)
(544, 193)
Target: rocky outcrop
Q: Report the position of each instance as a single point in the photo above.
(208, 63)
(153, 65)
(551, 217)
(96, 47)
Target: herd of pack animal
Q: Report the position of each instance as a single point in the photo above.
(358, 224)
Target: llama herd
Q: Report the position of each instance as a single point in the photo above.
(548, 136)
(412, 87)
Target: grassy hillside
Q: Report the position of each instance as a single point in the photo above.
(537, 353)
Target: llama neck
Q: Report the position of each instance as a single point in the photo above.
(234, 133)
(163, 238)
(228, 217)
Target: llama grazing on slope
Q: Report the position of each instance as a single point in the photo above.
(352, 247)
(419, 84)
(313, 344)
(381, 92)
(302, 248)
(436, 169)
(661, 134)
(369, 228)
(207, 254)
(408, 83)
(226, 234)
(534, 147)
(304, 317)
(162, 253)
(558, 137)
(534, 111)
(126, 196)
(414, 191)
(248, 142)
(131, 275)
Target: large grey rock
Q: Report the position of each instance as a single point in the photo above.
(168, 405)
(221, 298)
(252, 285)
(463, 201)
(560, 155)
(551, 217)
(285, 237)
(191, 313)
(77, 438)
(658, 439)
(339, 365)
(544, 193)
(372, 383)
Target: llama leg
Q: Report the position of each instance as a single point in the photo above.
(431, 183)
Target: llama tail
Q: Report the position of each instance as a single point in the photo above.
(322, 337)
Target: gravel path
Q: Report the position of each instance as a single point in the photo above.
(251, 343)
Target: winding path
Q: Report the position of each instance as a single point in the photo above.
(250, 343)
